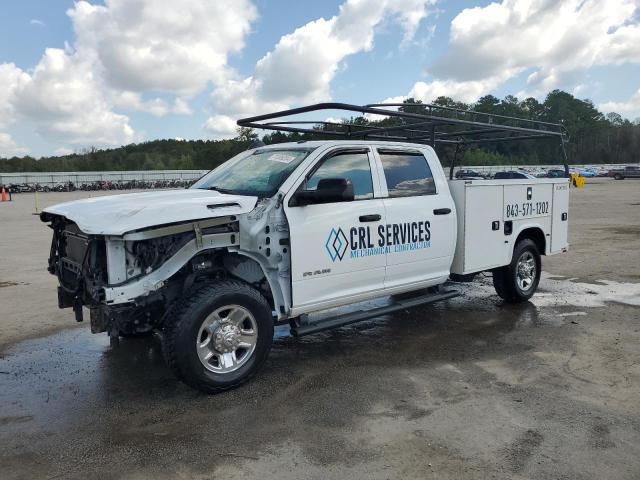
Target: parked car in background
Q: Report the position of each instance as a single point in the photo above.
(512, 174)
(469, 175)
(18, 188)
(556, 173)
(587, 172)
(538, 172)
(630, 171)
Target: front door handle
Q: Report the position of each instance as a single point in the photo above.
(370, 218)
(442, 211)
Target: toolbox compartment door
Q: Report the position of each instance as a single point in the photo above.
(560, 218)
(484, 247)
(523, 201)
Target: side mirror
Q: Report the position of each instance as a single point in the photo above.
(329, 190)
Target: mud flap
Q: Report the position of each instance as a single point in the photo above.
(65, 299)
(98, 320)
(77, 309)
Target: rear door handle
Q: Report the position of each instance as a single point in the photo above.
(370, 218)
(442, 211)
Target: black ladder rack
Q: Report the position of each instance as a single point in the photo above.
(416, 123)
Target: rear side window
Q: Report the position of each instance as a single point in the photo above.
(407, 174)
(353, 166)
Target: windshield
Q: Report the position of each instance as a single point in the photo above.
(258, 174)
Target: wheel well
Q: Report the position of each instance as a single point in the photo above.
(249, 271)
(536, 235)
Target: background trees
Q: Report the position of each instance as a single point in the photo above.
(593, 138)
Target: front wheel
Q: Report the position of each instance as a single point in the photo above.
(218, 337)
(518, 281)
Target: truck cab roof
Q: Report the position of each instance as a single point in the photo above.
(313, 144)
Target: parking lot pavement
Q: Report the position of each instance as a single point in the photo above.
(469, 388)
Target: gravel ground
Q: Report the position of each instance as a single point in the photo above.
(469, 388)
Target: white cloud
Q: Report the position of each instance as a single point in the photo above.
(558, 41)
(629, 108)
(36, 23)
(62, 151)
(170, 46)
(220, 126)
(9, 148)
(181, 107)
(133, 101)
(303, 63)
(64, 99)
(410, 14)
(155, 106)
(465, 91)
(124, 53)
(11, 78)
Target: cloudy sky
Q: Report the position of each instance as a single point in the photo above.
(75, 74)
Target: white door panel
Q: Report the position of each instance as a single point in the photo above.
(420, 217)
(334, 251)
(411, 261)
(333, 254)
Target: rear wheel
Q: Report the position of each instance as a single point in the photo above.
(617, 176)
(219, 337)
(518, 281)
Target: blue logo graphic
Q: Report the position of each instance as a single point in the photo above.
(336, 244)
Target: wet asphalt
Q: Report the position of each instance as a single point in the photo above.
(469, 388)
(466, 388)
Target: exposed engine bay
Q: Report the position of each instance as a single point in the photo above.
(129, 282)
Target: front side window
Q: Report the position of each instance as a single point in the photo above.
(407, 174)
(353, 166)
(258, 174)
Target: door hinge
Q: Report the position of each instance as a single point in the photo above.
(198, 232)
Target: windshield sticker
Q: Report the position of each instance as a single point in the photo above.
(281, 157)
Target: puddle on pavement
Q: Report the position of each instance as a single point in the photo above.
(556, 291)
(68, 378)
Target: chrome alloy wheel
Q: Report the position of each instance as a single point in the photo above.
(526, 271)
(227, 339)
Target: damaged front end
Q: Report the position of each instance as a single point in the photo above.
(128, 282)
(79, 261)
(130, 276)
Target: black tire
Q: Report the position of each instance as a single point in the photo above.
(505, 279)
(182, 325)
(617, 176)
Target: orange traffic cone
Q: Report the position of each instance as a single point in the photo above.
(4, 195)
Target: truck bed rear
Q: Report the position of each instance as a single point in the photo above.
(493, 213)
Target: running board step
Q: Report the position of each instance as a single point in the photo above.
(361, 315)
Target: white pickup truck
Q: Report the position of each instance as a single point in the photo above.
(281, 232)
(286, 233)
